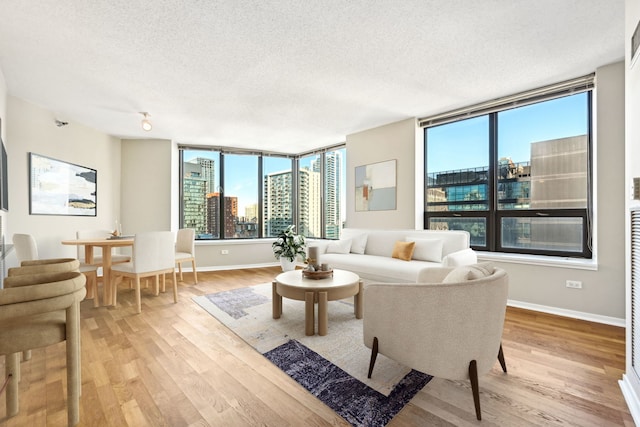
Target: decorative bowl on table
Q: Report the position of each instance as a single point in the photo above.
(316, 275)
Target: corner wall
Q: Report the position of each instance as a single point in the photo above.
(29, 128)
(394, 141)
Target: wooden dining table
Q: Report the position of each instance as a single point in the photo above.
(106, 245)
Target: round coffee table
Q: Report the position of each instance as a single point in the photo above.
(293, 285)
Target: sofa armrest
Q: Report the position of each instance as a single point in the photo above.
(433, 274)
(463, 257)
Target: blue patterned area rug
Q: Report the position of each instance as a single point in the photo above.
(332, 367)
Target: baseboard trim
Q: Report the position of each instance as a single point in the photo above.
(233, 267)
(607, 320)
(630, 397)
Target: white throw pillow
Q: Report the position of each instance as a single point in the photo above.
(469, 272)
(358, 244)
(339, 247)
(462, 257)
(426, 249)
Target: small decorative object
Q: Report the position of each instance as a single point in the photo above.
(317, 275)
(287, 247)
(314, 257)
(324, 267)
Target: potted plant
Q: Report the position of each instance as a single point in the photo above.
(287, 247)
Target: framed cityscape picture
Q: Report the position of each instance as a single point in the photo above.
(57, 187)
(376, 186)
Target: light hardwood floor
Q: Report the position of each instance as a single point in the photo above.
(175, 365)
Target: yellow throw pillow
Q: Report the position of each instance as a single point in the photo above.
(403, 250)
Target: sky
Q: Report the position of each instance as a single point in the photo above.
(517, 129)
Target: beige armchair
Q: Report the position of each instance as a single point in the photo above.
(448, 325)
(38, 310)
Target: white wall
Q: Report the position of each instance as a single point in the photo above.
(30, 128)
(147, 179)
(631, 383)
(393, 141)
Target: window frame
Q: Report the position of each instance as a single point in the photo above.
(261, 156)
(494, 215)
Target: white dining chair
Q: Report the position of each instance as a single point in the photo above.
(185, 250)
(153, 256)
(25, 246)
(27, 250)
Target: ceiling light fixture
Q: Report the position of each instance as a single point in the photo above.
(146, 123)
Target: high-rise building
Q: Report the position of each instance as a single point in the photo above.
(230, 215)
(309, 203)
(332, 194)
(194, 190)
(277, 203)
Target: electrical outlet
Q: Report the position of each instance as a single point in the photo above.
(574, 284)
(224, 251)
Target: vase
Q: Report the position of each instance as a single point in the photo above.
(287, 265)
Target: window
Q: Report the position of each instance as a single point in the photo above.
(278, 200)
(235, 195)
(240, 191)
(309, 196)
(518, 179)
(334, 200)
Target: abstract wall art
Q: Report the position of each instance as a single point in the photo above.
(376, 186)
(60, 188)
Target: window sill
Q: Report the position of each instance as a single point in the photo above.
(226, 242)
(546, 261)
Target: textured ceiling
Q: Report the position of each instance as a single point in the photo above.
(290, 76)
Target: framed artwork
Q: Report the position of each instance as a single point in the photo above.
(57, 187)
(376, 186)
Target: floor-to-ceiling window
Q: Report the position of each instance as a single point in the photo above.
(229, 194)
(517, 177)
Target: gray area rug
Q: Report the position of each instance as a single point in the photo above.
(333, 367)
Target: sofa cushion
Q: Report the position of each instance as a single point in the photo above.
(426, 249)
(339, 247)
(358, 243)
(469, 272)
(378, 268)
(403, 250)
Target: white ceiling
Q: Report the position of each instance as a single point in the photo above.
(290, 76)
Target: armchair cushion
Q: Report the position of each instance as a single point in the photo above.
(469, 272)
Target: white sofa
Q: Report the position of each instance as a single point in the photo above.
(368, 252)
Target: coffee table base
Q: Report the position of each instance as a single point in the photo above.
(310, 299)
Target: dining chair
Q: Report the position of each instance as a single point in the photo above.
(39, 310)
(27, 251)
(153, 255)
(185, 250)
(25, 246)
